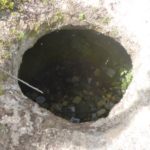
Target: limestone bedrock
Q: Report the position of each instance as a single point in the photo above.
(24, 125)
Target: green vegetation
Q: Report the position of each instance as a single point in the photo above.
(122, 79)
(18, 34)
(37, 28)
(3, 129)
(59, 16)
(81, 16)
(21, 35)
(11, 4)
(6, 4)
(105, 20)
(6, 55)
(3, 77)
(126, 78)
(45, 1)
(1, 90)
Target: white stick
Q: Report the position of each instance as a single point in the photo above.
(25, 83)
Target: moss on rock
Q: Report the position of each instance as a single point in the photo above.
(1, 90)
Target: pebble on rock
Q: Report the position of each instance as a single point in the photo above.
(97, 72)
(101, 112)
(100, 103)
(97, 83)
(40, 99)
(89, 80)
(110, 72)
(58, 107)
(75, 79)
(77, 100)
(93, 108)
(65, 103)
(94, 116)
(75, 120)
(91, 93)
(109, 105)
(72, 108)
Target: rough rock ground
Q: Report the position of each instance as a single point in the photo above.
(23, 125)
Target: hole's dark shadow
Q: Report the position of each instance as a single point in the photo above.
(78, 71)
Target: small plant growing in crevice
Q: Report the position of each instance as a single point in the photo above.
(1, 90)
(59, 16)
(3, 129)
(81, 16)
(19, 35)
(6, 4)
(105, 20)
(6, 55)
(126, 78)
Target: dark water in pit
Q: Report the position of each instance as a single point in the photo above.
(81, 73)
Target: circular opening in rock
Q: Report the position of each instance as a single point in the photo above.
(82, 73)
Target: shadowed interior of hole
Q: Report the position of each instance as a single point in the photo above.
(79, 71)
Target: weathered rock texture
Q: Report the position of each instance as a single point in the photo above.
(25, 126)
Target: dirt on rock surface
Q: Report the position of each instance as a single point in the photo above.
(25, 125)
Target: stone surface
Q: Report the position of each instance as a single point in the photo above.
(77, 100)
(26, 126)
(110, 72)
(101, 112)
(40, 99)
